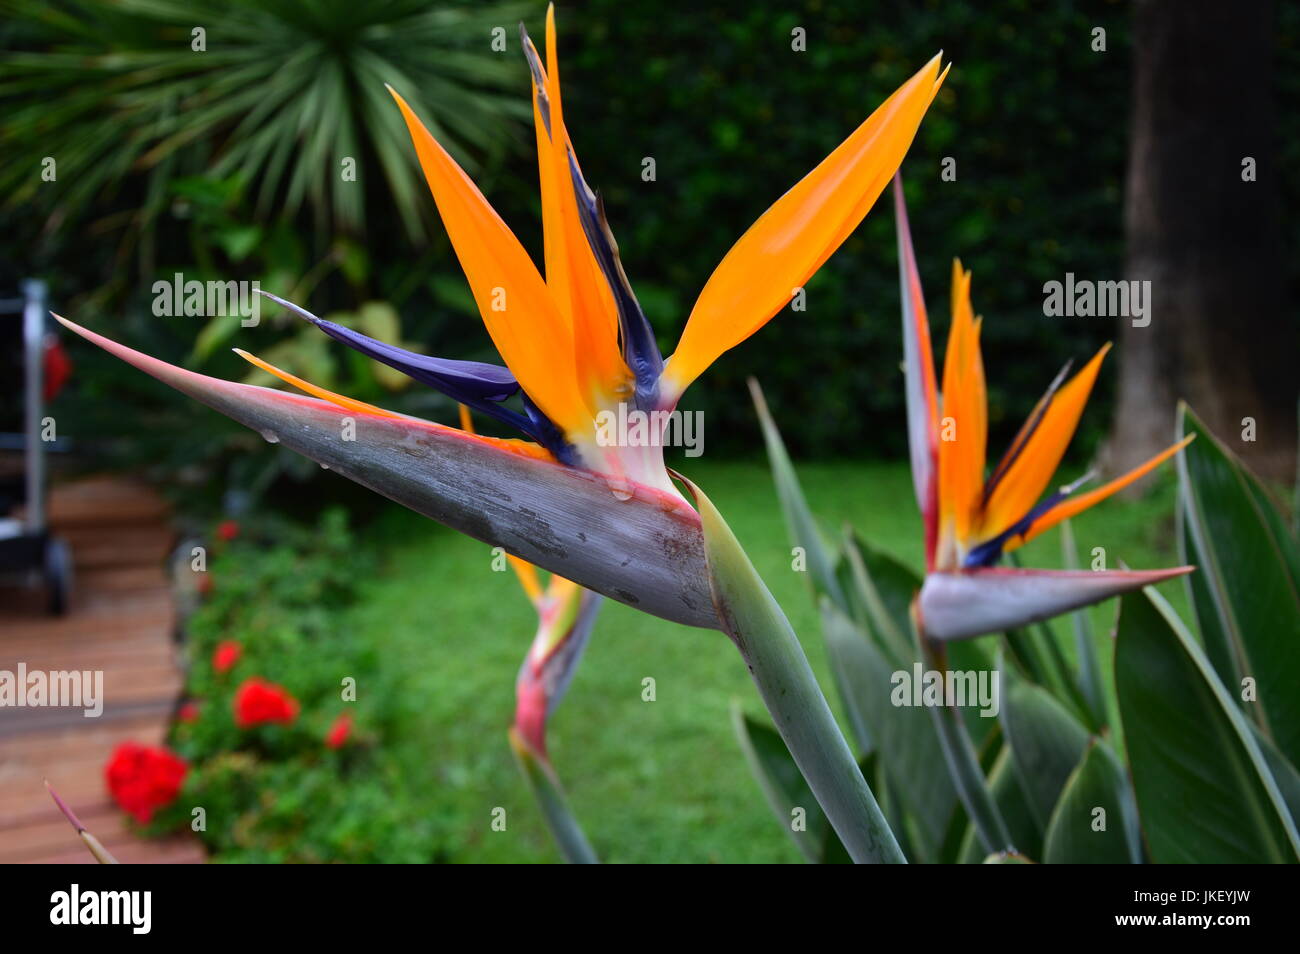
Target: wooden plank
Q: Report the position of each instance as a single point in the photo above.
(121, 623)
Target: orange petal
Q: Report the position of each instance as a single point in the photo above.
(961, 457)
(346, 403)
(561, 590)
(529, 331)
(1024, 481)
(1074, 505)
(583, 296)
(792, 239)
(527, 574)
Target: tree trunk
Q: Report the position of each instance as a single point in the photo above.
(1207, 238)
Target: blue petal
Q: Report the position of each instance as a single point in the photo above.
(990, 551)
(640, 349)
(475, 384)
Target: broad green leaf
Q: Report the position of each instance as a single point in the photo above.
(907, 746)
(1007, 794)
(1204, 792)
(748, 614)
(1036, 650)
(786, 791)
(799, 520)
(882, 589)
(1095, 820)
(1251, 620)
(1284, 773)
(1046, 740)
(1091, 686)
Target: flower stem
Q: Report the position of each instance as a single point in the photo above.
(963, 764)
(545, 786)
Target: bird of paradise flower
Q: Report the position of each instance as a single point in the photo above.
(972, 520)
(576, 343)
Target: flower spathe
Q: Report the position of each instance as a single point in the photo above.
(972, 517)
(566, 615)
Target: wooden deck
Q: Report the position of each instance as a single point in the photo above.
(121, 621)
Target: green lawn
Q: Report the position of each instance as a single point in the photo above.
(660, 781)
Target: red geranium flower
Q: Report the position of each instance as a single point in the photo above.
(258, 702)
(188, 712)
(226, 655)
(338, 734)
(143, 779)
(228, 529)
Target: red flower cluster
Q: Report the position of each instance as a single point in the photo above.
(226, 655)
(258, 702)
(228, 530)
(338, 734)
(142, 779)
(188, 712)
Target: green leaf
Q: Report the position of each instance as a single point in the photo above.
(282, 96)
(1204, 792)
(907, 746)
(1248, 605)
(1283, 772)
(239, 241)
(1098, 783)
(1091, 686)
(882, 589)
(776, 661)
(785, 789)
(799, 520)
(1046, 740)
(1004, 787)
(216, 332)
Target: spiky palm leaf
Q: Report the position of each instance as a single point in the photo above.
(283, 92)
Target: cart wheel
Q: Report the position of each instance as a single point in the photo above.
(58, 575)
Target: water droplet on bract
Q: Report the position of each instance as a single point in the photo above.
(270, 438)
(324, 466)
(620, 492)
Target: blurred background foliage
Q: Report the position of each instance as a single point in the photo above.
(226, 164)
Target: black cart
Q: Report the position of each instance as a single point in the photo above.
(27, 548)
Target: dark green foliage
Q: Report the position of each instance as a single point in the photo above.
(1036, 121)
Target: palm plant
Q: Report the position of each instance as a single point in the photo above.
(276, 92)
